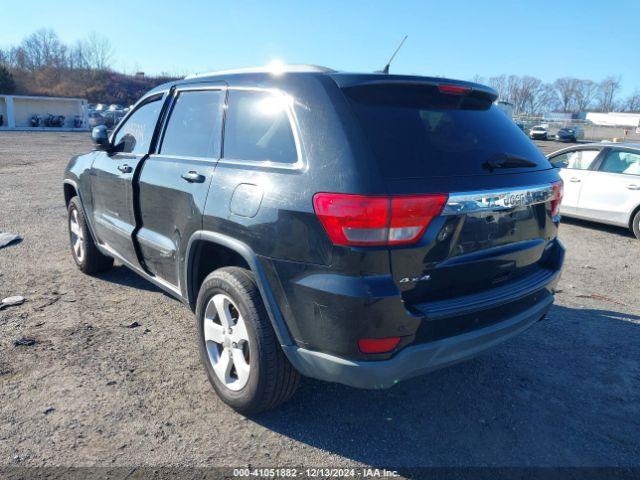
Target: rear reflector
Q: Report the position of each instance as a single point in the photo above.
(378, 345)
(453, 89)
(359, 220)
(558, 193)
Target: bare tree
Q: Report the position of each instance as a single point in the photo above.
(499, 84)
(97, 52)
(566, 91)
(535, 97)
(632, 103)
(584, 95)
(518, 92)
(76, 58)
(607, 91)
(42, 49)
(478, 79)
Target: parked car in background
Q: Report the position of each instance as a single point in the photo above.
(417, 255)
(112, 117)
(570, 134)
(95, 119)
(538, 132)
(601, 183)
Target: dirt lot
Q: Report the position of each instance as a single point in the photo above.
(93, 391)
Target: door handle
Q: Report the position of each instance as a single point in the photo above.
(575, 180)
(125, 168)
(193, 177)
(633, 186)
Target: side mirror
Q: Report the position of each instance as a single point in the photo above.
(100, 138)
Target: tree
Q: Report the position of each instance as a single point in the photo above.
(584, 94)
(42, 49)
(96, 52)
(7, 83)
(632, 103)
(607, 91)
(499, 84)
(535, 97)
(566, 91)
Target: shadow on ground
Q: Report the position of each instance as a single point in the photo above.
(122, 275)
(561, 393)
(623, 232)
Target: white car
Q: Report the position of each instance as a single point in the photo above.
(539, 132)
(601, 183)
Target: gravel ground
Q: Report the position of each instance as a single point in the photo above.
(93, 391)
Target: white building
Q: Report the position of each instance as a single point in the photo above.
(614, 119)
(17, 110)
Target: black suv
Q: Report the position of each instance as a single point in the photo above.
(355, 228)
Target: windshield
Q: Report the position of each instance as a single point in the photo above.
(416, 132)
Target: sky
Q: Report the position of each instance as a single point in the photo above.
(455, 38)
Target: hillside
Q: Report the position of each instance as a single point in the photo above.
(96, 86)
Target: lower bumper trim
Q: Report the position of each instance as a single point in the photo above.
(412, 361)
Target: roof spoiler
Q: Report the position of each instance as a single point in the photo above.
(445, 85)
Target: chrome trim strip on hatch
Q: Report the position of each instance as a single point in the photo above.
(494, 200)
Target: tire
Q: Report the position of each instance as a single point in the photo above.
(245, 364)
(83, 248)
(635, 225)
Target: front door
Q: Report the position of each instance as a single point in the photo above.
(174, 183)
(112, 176)
(612, 192)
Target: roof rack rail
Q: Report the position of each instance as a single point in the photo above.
(275, 68)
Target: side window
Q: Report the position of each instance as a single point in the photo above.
(618, 161)
(579, 160)
(195, 125)
(258, 128)
(137, 131)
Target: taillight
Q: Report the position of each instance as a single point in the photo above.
(378, 345)
(453, 89)
(360, 220)
(558, 192)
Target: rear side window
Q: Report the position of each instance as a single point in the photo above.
(137, 131)
(415, 131)
(618, 161)
(258, 128)
(195, 125)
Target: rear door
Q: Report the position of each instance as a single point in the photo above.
(112, 176)
(174, 182)
(575, 168)
(612, 191)
(451, 139)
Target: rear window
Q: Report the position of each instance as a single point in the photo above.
(258, 128)
(414, 131)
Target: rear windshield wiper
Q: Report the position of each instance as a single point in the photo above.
(508, 160)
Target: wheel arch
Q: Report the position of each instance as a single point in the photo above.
(243, 256)
(70, 188)
(70, 191)
(634, 212)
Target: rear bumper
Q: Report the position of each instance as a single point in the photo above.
(415, 360)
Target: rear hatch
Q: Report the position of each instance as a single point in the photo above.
(495, 231)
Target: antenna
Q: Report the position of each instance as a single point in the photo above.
(386, 67)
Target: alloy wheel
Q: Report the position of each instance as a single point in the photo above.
(227, 342)
(77, 237)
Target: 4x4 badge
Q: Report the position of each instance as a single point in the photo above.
(415, 279)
